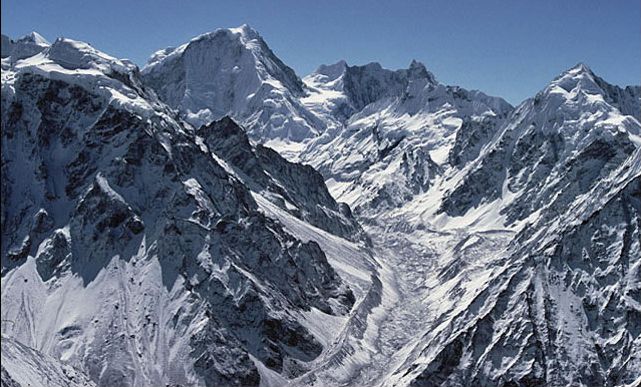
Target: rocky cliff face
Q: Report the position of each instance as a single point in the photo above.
(563, 309)
(296, 188)
(128, 242)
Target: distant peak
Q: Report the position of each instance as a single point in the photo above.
(242, 33)
(417, 65)
(33, 38)
(580, 68)
(373, 66)
(36, 38)
(75, 54)
(341, 64)
(417, 70)
(332, 71)
(577, 79)
(576, 72)
(245, 31)
(26, 46)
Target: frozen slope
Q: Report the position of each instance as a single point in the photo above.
(25, 367)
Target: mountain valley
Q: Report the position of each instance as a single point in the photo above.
(213, 219)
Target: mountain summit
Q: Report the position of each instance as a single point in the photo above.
(232, 72)
(24, 47)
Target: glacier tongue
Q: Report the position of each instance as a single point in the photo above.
(516, 264)
(466, 210)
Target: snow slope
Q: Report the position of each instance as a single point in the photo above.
(24, 366)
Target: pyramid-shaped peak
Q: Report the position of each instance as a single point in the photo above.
(580, 68)
(578, 71)
(24, 47)
(246, 31)
(577, 77)
(417, 70)
(332, 71)
(36, 38)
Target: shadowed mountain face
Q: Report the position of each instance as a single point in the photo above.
(107, 196)
(153, 234)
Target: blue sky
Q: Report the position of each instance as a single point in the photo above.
(510, 48)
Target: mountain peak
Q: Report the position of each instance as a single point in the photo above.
(416, 64)
(74, 54)
(417, 70)
(36, 38)
(24, 47)
(332, 71)
(580, 68)
(577, 78)
(372, 66)
(245, 31)
(231, 71)
(243, 34)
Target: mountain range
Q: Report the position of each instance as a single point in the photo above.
(213, 219)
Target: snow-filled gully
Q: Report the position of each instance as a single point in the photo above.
(398, 300)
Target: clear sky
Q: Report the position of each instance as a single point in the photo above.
(510, 48)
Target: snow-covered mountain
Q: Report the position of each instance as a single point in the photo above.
(552, 148)
(23, 47)
(233, 72)
(148, 239)
(560, 307)
(518, 264)
(402, 127)
(135, 249)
